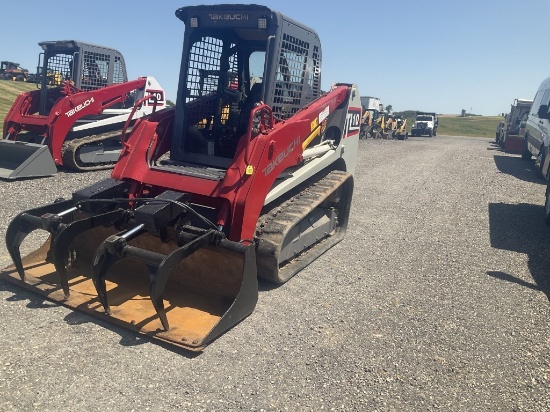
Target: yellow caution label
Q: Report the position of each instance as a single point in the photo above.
(311, 136)
(314, 124)
(249, 170)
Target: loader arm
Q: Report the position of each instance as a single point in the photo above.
(65, 113)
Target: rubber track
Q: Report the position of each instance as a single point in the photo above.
(69, 151)
(273, 226)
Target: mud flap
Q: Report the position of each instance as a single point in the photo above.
(202, 294)
(513, 144)
(19, 160)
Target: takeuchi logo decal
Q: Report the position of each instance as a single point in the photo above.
(227, 16)
(79, 107)
(282, 156)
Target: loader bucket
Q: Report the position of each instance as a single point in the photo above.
(200, 293)
(19, 160)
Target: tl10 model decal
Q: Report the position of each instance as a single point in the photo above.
(157, 97)
(353, 122)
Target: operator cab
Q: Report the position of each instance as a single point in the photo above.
(235, 57)
(85, 66)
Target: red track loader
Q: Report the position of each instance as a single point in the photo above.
(75, 119)
(251, 174)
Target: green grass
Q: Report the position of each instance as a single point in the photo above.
(479, 126)
(476, 126)
(8, 92)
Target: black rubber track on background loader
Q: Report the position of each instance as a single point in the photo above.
(273, 226)
(69, 151)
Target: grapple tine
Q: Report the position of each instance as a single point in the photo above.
(23, 224)
(103, 260)
(160, 278)
(113, 249)
(65, 237)
(17, 232)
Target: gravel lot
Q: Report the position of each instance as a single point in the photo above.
(438, 298)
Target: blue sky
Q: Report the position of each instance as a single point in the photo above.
(431, 55)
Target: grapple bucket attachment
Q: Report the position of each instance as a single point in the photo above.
(19, 160)
(184, 293)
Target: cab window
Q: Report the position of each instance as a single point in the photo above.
(545, 98)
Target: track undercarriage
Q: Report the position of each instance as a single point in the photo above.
(293, 234)
(95, 152)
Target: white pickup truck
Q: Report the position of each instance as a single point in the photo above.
(425, 124)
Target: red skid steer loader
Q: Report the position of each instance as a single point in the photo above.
(76, 117)
(251, 174)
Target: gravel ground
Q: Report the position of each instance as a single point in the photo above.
(438, 298)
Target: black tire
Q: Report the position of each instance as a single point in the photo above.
(547, 206)
(525, 153)
(539, 161)
(430, 134)
(435, 132)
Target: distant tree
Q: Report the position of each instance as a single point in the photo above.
(410, 115)
(406, 113)
(170, 103)
(389, 108)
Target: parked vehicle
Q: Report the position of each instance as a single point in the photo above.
(75, 119)
(536, 139)
(537, 129)
(498, 131)
(401, 128)
(13, 71)
(390, 129)
(509, 136)
(425, 124)
(371, 108)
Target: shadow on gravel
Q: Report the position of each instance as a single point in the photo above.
(520, 228)
(517, 167)
(127, 338)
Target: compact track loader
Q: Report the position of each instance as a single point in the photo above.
(75, 119)
(401, 128)
(251, 174)
(13, 71)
